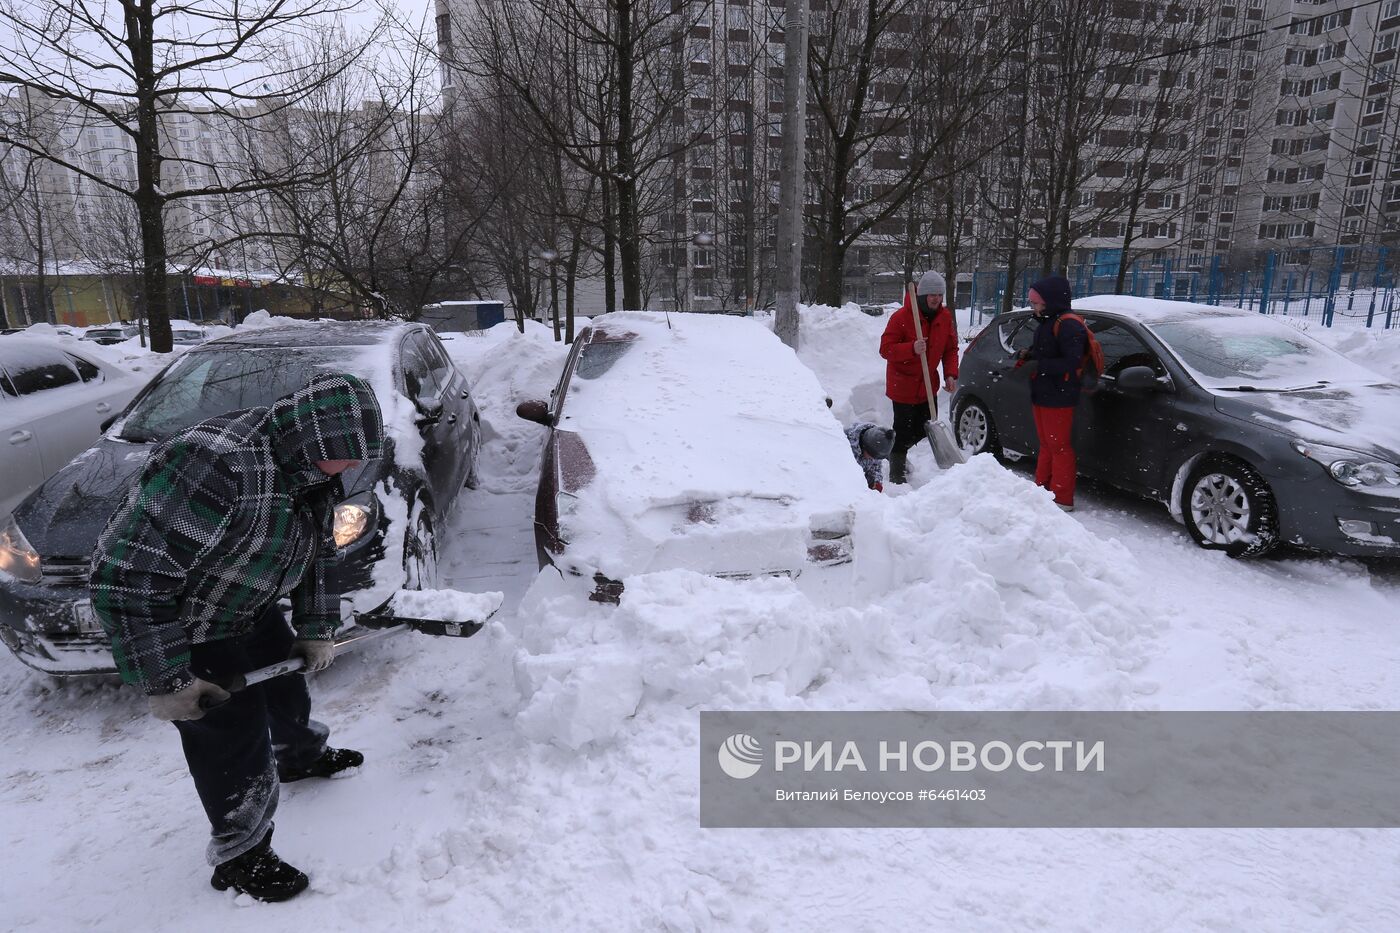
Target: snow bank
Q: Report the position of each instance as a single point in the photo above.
(973, 591)
(838, 344)
(505, 368)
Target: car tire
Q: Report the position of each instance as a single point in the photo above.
(976, 431)
(420, 556)
(1228, 507)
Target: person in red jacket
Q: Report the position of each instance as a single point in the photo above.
(904, 378)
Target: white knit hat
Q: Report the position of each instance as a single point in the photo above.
(931, 283)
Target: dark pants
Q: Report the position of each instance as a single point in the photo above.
(909, 421)
(230, 751)
(1055, 466)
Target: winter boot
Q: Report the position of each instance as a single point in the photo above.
(332, 761)
(260, 874)
(898, 459)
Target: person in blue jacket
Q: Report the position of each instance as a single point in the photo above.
(1055, 362)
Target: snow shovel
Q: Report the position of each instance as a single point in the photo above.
(466, 612)
(946, 452)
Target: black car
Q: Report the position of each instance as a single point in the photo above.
(1251, 432)
(385, 526)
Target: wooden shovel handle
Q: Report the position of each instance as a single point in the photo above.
(923, 357)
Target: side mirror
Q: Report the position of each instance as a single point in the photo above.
(536, 411)
(429, 410)
(1139, 379)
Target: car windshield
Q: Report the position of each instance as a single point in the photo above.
(203, 384)
(1252, 352)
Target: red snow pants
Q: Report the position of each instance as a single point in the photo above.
(1055, 466)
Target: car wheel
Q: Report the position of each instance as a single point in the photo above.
(977, 432)
(420, 553)
(1229, 507)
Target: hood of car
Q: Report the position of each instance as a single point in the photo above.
(1355, 417)
(65, 516)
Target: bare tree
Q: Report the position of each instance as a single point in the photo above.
(138, 67)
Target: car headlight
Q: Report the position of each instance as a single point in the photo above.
(17, 557)
(353, 519)
(1350, 467)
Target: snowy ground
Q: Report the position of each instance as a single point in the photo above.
(542, 775)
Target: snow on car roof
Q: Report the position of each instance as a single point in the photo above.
(701, 409)
(315, 334)
(1153, 310)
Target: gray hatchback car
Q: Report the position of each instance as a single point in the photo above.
(1252, 433)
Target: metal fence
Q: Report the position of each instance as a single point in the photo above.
(1341, 286)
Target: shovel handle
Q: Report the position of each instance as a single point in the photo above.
(923, 357)
(243, 681)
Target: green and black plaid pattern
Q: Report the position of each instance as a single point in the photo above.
(225, 518)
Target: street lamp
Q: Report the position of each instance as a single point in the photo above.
(702, 239)
(551, 256)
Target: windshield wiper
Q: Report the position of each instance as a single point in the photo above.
(1311, 385)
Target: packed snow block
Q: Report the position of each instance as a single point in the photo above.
(574, 698)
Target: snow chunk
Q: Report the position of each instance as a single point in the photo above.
(445, 605)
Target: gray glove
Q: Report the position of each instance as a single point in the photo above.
(184, 704)
(317, 653)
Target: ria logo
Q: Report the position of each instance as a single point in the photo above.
(741, 756)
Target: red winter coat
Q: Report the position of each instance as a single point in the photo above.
(904, 379)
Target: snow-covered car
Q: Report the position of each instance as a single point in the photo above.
(53, 401)
(385, 527)
(106, 336)
(186, 336)
(1251, 432)
(699, 442)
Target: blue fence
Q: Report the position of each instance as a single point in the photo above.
(1340, 286)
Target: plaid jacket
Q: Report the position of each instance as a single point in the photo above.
(225, 518)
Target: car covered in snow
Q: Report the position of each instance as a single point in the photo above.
(385, 527)
(1251, 432)
(53, 401)
(108, 335)
(689, 441)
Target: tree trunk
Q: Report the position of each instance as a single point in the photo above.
(793, 175)
(150, 201)
(629, 228)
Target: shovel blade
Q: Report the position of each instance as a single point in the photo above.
(946, 452)
(450, 613)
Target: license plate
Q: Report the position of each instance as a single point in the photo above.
(84, 619)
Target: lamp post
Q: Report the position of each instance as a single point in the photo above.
(701, 239)
(551, 256)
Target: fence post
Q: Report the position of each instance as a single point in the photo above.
(1334, 282)
(1213, 295)
(1167, 291)
(1266, 285)
(1376, 284)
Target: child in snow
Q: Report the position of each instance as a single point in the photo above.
(871, 445)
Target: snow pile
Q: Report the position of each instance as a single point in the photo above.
(838, 344)
(505, 368)
(973, 591)
(445, 605)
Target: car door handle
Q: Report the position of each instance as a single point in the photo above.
(466, 393)
(20, 437)
(451, 419)
(103, 407)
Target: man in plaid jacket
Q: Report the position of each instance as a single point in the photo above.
(225, 519)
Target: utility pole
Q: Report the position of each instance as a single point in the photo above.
(792, 185)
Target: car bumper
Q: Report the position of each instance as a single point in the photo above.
(50, 627)
(1326, 516)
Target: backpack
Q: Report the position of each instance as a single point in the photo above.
(1093, 352)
